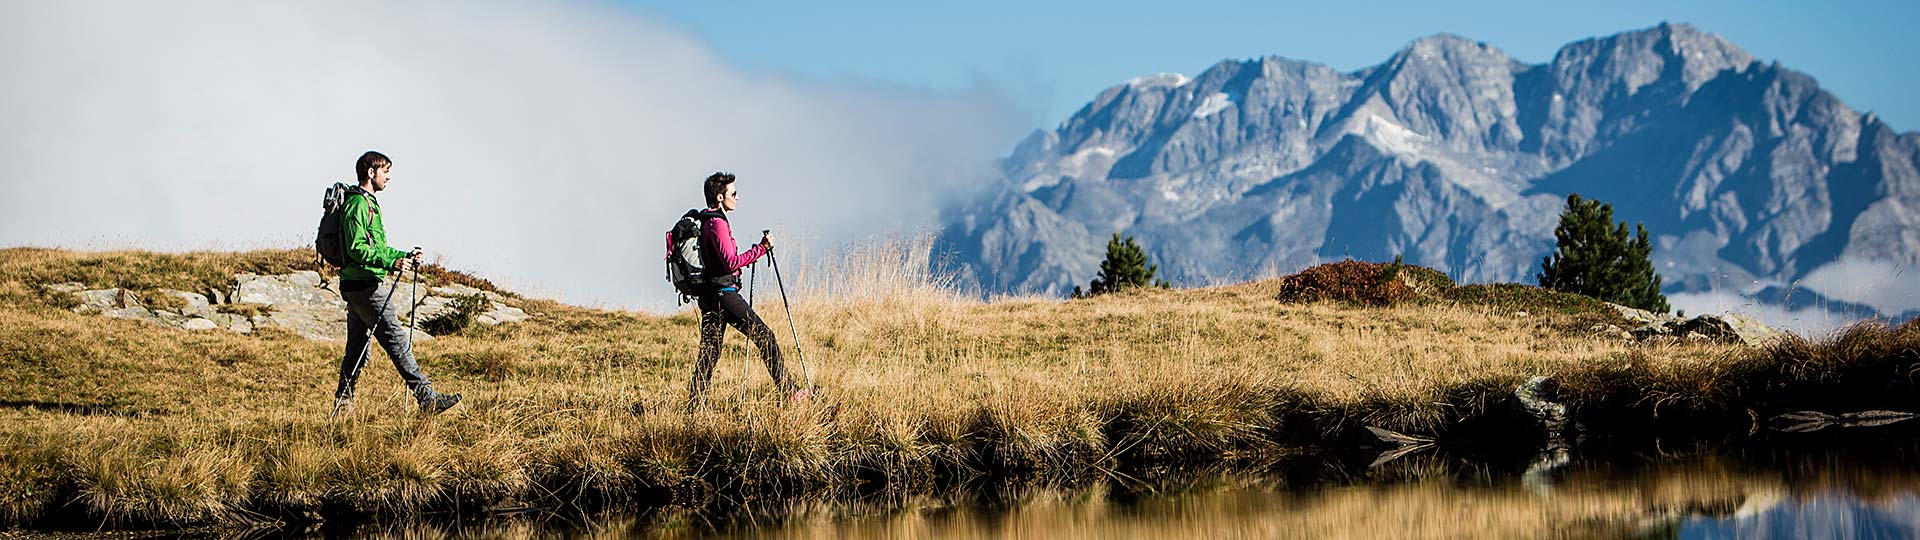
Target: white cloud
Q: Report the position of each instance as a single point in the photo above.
(547, 145)
(1885, 286)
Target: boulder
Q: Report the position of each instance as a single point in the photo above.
(458, 291)
(204, 312)
(315, 323)
(296, 289)
(502, 313)
(1730, 329)
(198, 323)
(101, 300)
(308, 279)
(1751, 332)
(1705, 327)
(1608, 330)
(1650, 331)
(441, 301)
(169, 318)
(425, 308)
(1643, 317)
(1727, 328)
(136, 313)
(192, 299)
(231, 322)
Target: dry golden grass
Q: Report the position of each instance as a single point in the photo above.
(123, 423)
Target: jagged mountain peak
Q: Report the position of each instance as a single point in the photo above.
(1457, 156)
(1446, 46)
(1684, 37)
(1641, 57)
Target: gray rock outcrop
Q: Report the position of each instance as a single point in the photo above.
(302, 303)
(1729, 328)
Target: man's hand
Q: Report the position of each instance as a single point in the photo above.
(408, 262)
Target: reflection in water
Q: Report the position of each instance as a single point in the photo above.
(1823, 515)
(1704, 496)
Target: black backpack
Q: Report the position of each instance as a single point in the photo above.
(327, 241)
(684, 267)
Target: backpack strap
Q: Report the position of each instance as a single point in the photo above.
(354, 189)
(705, 214)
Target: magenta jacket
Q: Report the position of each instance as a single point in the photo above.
(718, 257)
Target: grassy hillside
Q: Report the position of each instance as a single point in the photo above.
(128, 424)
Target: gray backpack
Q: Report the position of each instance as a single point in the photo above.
(327, 240)
(685, 268)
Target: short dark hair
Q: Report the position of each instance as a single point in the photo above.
(717, 186)
(370, 160)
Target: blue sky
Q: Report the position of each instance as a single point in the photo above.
(1049, 58)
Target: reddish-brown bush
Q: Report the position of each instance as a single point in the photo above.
(1354, 282)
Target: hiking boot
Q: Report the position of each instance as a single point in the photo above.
(341, 407)
(802, 395)
(439, 403)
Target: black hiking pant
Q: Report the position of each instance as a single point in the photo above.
(727, 308)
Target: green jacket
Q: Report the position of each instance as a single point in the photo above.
(368, 256)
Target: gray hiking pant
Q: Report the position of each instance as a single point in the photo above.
(365, 323)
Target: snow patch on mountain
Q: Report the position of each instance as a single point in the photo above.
(1213, 104)
(1390, 136)
(1465, 171)
(1159, 80)
(1074, 165)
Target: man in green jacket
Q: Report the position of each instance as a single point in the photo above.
(369, 310)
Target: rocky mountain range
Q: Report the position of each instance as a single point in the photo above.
(1458, 157)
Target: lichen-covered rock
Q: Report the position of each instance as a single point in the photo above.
(302, 303)
(502, 314)
(1754, 332)
(1643, 317)
(136, 313)
(316, 323)
(458, 291)
(192, 299)
(1721, 328)
(296, 289)
(101, 300)
(1728, 328)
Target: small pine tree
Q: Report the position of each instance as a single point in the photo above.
(1126, 266)
(1596, 257)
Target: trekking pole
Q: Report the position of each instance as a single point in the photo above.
(746, 360)
(413, 312)
(753, 270)
(804, 370)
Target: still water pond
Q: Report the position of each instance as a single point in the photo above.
(1719, 494)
